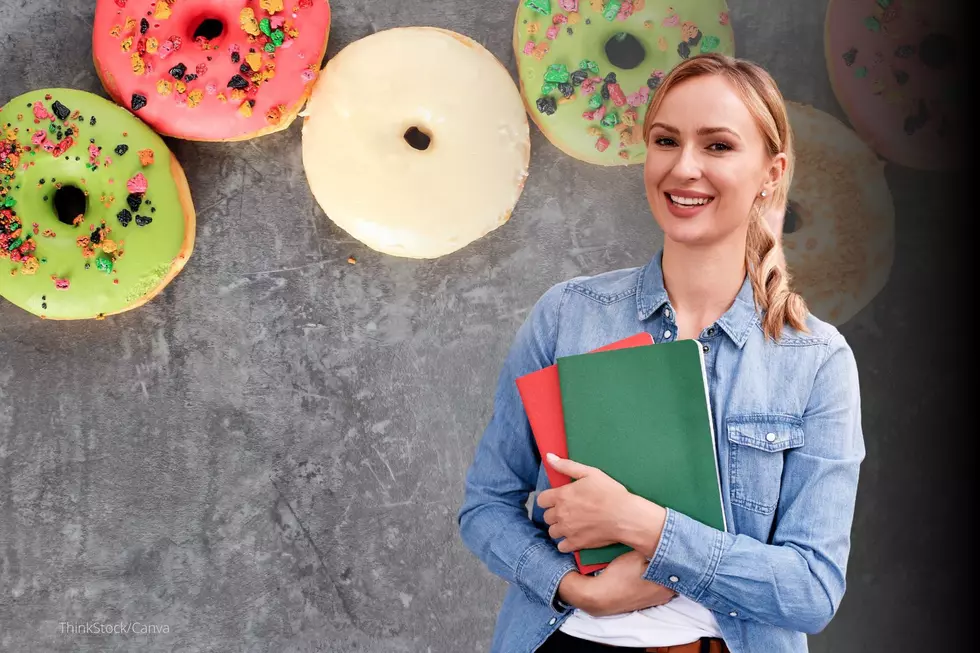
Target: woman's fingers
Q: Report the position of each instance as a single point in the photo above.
(569, 467)
(547, 498)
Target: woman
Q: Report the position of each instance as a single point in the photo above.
(785, 400)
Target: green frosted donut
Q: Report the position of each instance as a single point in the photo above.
(95, 214)
(587, 67)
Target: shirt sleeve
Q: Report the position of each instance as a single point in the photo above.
(797, 581)
(493, 520)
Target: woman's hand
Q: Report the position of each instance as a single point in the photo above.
(618, 589)
(585, 511)
(596, 510)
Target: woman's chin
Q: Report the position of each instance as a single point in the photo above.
(701, 231)
(685, 232)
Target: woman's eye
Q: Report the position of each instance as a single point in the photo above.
(663, 141)
(719, 147)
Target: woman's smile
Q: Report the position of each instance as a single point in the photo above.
(686, 203)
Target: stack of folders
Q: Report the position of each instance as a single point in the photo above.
(639, 412)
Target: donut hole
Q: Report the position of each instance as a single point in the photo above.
(937, 51)
(792, 221)
(69, 203)
(417, 138)
(209, 28)
(625, 51)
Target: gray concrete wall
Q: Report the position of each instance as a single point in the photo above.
(269, 456)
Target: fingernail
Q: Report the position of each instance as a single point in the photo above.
(552, 457)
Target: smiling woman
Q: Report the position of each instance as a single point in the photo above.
(738, 150)
(718, 166)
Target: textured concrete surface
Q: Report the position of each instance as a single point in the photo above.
(269, 456)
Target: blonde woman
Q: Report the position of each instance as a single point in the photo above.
(785, 400)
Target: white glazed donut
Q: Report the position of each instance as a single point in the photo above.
(416, 141)
(839, 229)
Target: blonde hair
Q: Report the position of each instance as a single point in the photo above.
(763, 259)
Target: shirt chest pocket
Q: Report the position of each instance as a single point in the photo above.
(757, 447)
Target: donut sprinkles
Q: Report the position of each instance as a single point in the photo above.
(19, 243)
(76, 191)
(893, 67)
(208, 70)
(588, 67)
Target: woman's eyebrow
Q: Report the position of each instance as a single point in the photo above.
(703, 131)
(665, 127)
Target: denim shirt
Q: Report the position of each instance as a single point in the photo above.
(787, 421)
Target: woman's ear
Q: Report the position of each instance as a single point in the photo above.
(777, 168)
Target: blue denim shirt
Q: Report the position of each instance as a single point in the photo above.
(790, 445)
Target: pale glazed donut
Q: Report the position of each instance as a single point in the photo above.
(389, 194)
(839, 229)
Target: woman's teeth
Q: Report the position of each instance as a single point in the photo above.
(690, 201)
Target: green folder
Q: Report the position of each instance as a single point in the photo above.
(642, 415)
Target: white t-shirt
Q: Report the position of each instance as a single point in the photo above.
(679, 621)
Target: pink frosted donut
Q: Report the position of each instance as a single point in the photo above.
(211, 70)
(894, 68)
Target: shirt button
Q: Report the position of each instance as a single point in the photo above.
(711, 331)
(552, 622)
(705, 348)
(770, 437)
(666, 334)
(667, 312)
(732, 614)
(674, 579)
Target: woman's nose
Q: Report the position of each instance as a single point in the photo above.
(688, 165)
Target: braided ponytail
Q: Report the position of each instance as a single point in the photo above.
(770, 280)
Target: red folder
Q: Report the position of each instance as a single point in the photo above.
(541, 395)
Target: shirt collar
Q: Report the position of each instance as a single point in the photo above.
(651, 296)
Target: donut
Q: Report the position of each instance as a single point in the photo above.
(587, 67)
(211, 70)
(839, 227)
(894, 68)
(95, 214)
(416, 142)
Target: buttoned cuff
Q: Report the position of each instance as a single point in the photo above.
(687, 555)
(539, 573)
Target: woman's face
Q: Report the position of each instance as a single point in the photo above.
(706, 163)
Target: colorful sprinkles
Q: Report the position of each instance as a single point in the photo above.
(52, 128)
(612, 109)
(16, 244)
(935, 51)
(171, 61)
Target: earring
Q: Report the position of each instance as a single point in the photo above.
(763, 193)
